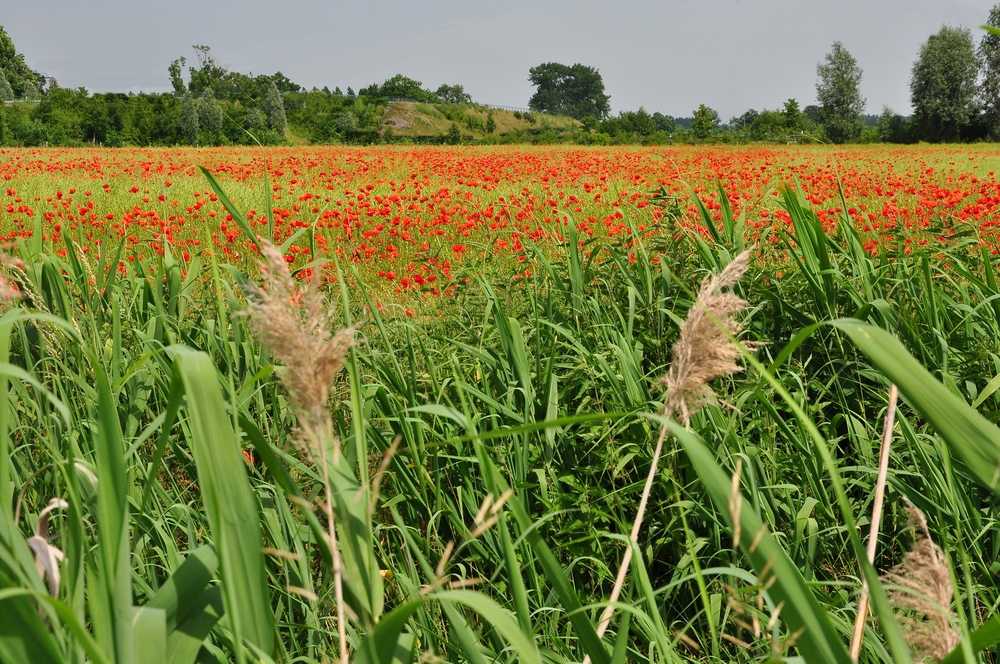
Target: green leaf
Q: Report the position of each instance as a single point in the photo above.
(231, 208)
(115, 582)
(387, 643)
(150, 628)
(229, 502)
(185, 642)
(975, 439)
(801, 611)
(184, 588)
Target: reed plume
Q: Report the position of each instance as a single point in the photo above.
(705, 350)
(923, 592)
(295, 324)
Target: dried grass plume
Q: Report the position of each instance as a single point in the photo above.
(923, 593)
(295, 324)
(705, 350)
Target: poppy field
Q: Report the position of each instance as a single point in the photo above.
(495, 404)
(409, 217)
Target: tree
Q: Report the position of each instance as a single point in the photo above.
(400, 87)
(943, 85)
(704, 121)
(284, 84)
(491, 123)
(210, 117)
(175, 70)
(576, 91)
(256, 122)
(891, 127)
(839, 95)
(793, 116)
(6, 92)
(274, 108)
(453, 94)
(664, 122)
(989, 89)
(187, 121)
(18, 73)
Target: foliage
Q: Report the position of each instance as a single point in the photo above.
(576, 91)
(705, 121)
(24, 81)
(210, 116)
(989, 76)
(943, 85)
(453, 94)
(274, 108)
(488, 447)
(6, 92)
(892, 127)
(188, 121)
(839, 94)
(399, 87)
(792, 115)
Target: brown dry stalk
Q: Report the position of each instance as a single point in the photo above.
(296, 325)
(923, 592)
(704, 351)
(883, 472)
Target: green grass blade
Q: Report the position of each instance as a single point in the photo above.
(113, 521)
(801, 610)
(185, 642)
(184, 588)
(150, 628)
(229, 503)
(231, 207)
(975, 439)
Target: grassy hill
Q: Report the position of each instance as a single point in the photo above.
(419, 120)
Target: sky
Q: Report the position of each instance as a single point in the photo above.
(663, 55)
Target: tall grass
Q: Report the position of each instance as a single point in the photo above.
(464, 490)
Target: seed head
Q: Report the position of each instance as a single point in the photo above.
(923, 592)
(296, 326)
(705, 350)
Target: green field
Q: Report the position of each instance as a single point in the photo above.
(245, 468)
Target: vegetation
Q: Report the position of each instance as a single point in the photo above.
(839, 93)
(575, 91)
(203, 460)
(943, 87)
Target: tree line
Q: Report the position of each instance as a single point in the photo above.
(955, 94)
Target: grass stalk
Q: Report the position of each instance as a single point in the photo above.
(873, 533)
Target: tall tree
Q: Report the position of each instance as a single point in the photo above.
(453, 94)
(943, 85)
(839, 94)
(792, 115)
(6, 92)
(187, 121)
(18, 73)
(274, 108)
(210, 118)
(989, 88)
(576, 91)
(704, 121)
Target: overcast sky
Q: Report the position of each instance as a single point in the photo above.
(664, 55)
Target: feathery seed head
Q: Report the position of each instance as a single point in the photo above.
(923, 593)
(296, 325)
(705, 350)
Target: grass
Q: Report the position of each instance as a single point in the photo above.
(466, 494)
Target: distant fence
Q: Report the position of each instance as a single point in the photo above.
(11, 102)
